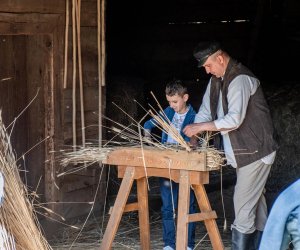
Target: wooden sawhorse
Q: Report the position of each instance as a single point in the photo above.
(180, 167)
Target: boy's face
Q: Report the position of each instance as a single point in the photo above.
(178, 103)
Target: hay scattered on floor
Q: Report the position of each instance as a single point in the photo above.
(128, 236)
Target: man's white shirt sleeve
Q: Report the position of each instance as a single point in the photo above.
(239, 92)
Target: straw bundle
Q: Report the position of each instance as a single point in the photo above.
(18, 223)
(214, 159)
(86, 155)
(93, 154)
(168, 128)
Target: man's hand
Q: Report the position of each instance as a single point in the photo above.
(192, 129)
(196, 128)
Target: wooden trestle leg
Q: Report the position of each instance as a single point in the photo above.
(206, 214)
(118, 209)
(186, 178)
(210, 223)
(142, 192)
(183, 210)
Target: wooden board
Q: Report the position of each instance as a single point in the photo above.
(156, 158)
(196, 177)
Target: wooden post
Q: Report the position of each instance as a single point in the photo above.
(74, 76)
(66, 45)
(183, 210)
(118, 209)
(210, 224)
(142, 192)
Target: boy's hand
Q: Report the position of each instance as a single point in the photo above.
(196, 128)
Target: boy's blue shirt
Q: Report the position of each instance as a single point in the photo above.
(169, 112)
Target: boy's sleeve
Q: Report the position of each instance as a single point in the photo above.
(151, 123)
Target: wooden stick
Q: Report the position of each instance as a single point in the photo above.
(66, 44)
(103, 54)
(78, 10)
(99, 70)
(74, 74)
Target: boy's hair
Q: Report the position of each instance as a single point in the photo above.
(176, 87)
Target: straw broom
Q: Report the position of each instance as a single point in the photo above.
(18, 223)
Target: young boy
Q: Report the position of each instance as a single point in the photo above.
(180, 114)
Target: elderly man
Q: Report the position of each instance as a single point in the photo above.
(234, 104)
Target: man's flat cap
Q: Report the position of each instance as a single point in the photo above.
(205, 49)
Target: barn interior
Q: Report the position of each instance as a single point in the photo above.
(143, 45)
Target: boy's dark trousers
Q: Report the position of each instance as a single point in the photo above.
(168, 220)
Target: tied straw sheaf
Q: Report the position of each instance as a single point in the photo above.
(19, 228)
(93, 154)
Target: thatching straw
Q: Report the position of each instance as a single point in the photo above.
(90, 154)
(164, 124)
(18, 223)
(214, 158)
(168, 128)
(86, 155)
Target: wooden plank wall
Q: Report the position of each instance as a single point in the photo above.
(36, 29)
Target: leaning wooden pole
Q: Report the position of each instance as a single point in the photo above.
(66, 45)
(99, 69)
(74, 74)
(103, 54)
(78, 11)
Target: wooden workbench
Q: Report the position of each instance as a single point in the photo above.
(186, 168)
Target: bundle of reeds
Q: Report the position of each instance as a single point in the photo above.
(93, 154)
(85, 155)
(18, 223)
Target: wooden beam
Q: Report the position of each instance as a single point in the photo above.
(30, 6)
(157, 158)
(27, 24)
(202, 216)
(118, 209)
(183, 210)
(128, 208)
(143, 207)
(210, 224)
(196, 177)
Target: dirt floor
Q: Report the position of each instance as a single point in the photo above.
(128, 233)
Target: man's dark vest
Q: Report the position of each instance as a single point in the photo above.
(253, 140)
